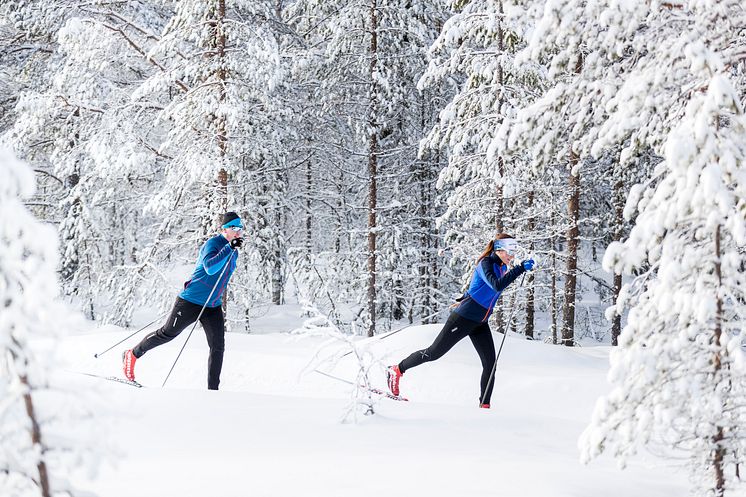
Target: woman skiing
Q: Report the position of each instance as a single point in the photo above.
(471, 313)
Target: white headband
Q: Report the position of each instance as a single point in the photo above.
(507, 244)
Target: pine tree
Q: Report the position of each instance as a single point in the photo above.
(28, 30)
(182, 110)
(35, 457)
(485, 189)
(363, 72)
(74, 130)
(683, 331)
(677, 373)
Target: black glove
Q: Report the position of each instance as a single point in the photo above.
(236, 243)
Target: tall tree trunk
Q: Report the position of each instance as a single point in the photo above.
(277, 278)
(372, 168)
(719, 438)
(553, 305)
(71, 260)
(573, 233)
(221, 195)
(222, 134)
(36, 438)
(616, 324)
(425, 181)
(501, 102)
(530, 305)
(434, 267)
(309, 216)
(500, 206)
(422, 209)
(339, 219)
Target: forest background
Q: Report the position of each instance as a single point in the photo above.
(374, 147)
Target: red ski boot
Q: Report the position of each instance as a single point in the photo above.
(392, 378)
(128, 364)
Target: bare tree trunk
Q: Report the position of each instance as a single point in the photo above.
(309, 215)
(339, 217)
(277, 278)
(280, 249)
(434, 268)
(616, 324)
(553, 306)
(89, 294)
(500, 206)
(501, 101)
(718, 439)
(372, 168)
(222, 134)
(424, 221)
(422, 209)
(530, 305)
(573, 208)
(425, 181)
(71, 261)
(221, 194)
(36, 438)
(573, 233)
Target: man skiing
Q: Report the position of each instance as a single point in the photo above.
(201, 299)
(470, 315)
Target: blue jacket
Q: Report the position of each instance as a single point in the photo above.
(490, 278)
(213, 256)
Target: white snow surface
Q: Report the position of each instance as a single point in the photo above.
(273, 430)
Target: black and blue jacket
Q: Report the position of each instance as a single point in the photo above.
(213, 255)
(490, 278)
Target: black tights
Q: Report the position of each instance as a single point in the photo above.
(453, 331)
(182, 315)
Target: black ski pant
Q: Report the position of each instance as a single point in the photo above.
(455, 329)
(182, 315)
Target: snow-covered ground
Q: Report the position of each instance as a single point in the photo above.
(273, 431)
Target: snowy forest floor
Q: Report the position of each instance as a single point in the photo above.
(273, 431)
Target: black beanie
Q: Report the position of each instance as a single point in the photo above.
(228, 217)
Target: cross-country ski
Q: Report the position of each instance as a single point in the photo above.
(116, 379)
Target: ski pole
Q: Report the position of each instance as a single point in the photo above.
(130, 336)
(505, 334)
(386, 335)
(227, 263)
(333, 377)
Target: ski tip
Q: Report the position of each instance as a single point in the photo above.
(388, 395)
(397, 398)
(117, 379)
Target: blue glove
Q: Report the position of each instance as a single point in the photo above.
(528, 264)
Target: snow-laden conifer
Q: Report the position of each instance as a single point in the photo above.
(363, 64)
(487, 190)
(84, 129)
(154, 109)
(46, 431)
(678, 373)
(476, 50)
